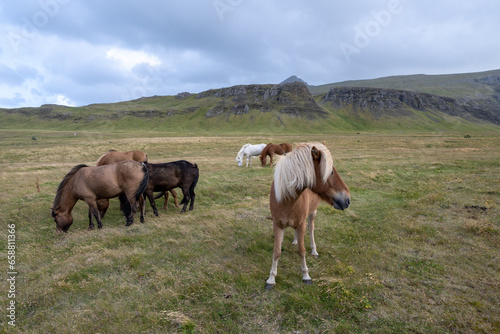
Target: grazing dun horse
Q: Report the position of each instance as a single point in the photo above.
(302, 179)
(272, 149)
(249, 151)
(126, 180)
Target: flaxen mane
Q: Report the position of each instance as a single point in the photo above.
(295, 170)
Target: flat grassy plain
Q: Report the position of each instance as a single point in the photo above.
(417, 251)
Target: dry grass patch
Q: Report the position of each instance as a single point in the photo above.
(417, 251)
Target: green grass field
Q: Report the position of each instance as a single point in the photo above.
(416, 252)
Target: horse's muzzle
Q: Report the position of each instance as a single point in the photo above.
(341, 201)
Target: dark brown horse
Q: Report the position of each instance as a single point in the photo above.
(113, 156)
(272, 149)
(126, 180)
(302, 179)
(166, 176)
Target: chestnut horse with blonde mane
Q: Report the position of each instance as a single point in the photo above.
(302, 179)
(126, 180)
(113, 156)
(272, 149)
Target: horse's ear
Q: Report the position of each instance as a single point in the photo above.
(316, 155)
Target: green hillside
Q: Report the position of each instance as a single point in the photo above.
(465, 85)
(465, 102)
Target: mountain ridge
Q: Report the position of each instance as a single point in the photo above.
(450, 85)
(294, 106)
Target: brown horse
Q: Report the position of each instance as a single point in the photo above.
(272, 149)
(113, 156)
(165, 193)
(126, 180)
(302, 179)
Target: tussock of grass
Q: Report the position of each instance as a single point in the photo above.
(417, 251)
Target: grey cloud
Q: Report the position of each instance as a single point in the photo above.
(210, 44)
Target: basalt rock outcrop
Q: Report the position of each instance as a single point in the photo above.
(293, 99)
(396, 103)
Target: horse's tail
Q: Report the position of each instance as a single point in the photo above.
(124, 203)
(194, 183)
(144, 183)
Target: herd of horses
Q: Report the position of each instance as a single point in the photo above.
(128, 176)
(303, 178)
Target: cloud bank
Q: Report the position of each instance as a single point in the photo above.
(77, 52)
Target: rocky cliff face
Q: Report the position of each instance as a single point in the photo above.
(394, 103)
(293, 99)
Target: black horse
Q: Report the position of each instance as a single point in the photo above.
(167, 176)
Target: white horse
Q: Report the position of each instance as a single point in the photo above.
(249, 151)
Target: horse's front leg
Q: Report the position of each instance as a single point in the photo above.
(279, 233)
(310, 226)
(301, 250)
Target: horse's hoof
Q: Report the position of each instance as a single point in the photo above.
(307, 281)
(269, 286)
(316, 256)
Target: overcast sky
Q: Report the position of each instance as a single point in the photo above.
(78, 52)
